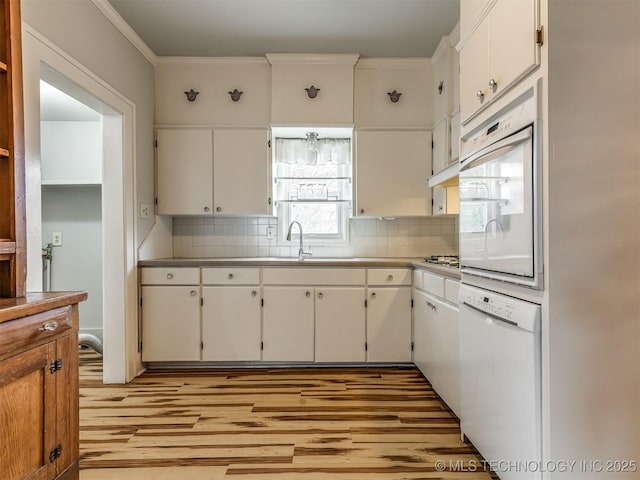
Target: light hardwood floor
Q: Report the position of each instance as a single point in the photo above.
(271, 424)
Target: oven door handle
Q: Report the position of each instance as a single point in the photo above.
(497, 149)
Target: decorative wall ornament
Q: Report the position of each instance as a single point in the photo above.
(191, 95)
(394, 96)
(312, 91)
(440, 87)
(235, 95)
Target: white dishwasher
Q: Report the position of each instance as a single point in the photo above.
(500, 381)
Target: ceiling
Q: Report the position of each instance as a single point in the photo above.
(372, 28)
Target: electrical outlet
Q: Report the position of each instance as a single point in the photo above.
(270, 234)
(144, 210)
(56, 239)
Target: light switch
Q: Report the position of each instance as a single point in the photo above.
(56, 239)
(270, 235)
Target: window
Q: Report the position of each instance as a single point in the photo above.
(312, 185)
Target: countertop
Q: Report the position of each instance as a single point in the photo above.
(32, 303)
(362, 262)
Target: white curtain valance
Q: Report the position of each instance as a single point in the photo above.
(297, 151)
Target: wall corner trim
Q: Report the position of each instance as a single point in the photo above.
(114, 17)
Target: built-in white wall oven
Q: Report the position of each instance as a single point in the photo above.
(500, 207)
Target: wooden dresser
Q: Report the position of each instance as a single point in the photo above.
(39, 386)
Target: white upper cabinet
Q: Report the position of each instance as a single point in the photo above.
(241, 172)
(442, 79)
(393, 93)
(392, 167)
(312, 89)
(185, 171)
(497, 54)
(232, 91)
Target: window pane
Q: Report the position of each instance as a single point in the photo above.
(317, 218)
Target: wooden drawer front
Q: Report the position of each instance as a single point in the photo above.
(230, 276)
(35, 329)
(451, 288)
(313, 276)
(434, 284)
(389, 276)
(417, 279)
(170, 276)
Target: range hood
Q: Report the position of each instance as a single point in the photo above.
(445, 178)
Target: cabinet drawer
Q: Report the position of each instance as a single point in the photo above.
(434, 284)
(230, 276)
(313, 276)
(35, 329)
(170, 276)
(389, 276)
(451, 288)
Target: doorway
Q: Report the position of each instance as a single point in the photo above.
(71, 177)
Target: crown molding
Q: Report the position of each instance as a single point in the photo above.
(395, 62)
(312, 58)
(114, 17)
(213, 61)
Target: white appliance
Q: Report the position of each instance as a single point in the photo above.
(500, 203)
(501, 381)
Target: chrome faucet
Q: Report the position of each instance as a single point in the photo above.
(301, 252)
(499, 228)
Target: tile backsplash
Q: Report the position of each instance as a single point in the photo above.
(369, 237)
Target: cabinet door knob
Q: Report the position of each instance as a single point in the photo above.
(218, 209)
(193, 293)
(373, 295)
(440, 208)
(307, 294)
(253, 293)
(389, 278)
(169, 276)
(480, 95)
(206, 209)
(493, 85)
(320, 295)
(361, 210)
(49, 327)
(230, 276)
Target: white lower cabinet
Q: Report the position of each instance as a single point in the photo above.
(170, 323)
(389, 324)
(231, 323)
(436, 341)
(340, 324)
(288, 324)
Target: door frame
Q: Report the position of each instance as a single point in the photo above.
(120, 331)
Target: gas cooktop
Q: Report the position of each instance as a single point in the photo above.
(447, 260)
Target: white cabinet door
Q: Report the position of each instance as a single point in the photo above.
(474, 72)
(392, 168)
(231, 327)
(440, 146)
(437, 347)
(170, 323)
(389, 324)
(340, 324)
(241, 172)
(185, 171)
(512, 45)
(442, 84)
(287, 327)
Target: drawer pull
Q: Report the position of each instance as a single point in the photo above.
(169, 276)
(230, 276)
(373, 295)
(193, 293)
(307, 294)
(390, 278)
(320, 295)
(49, 327)
(253, 293)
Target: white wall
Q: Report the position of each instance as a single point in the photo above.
(594, 234)
(83, 32)
(71, 152)
(77, 265)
